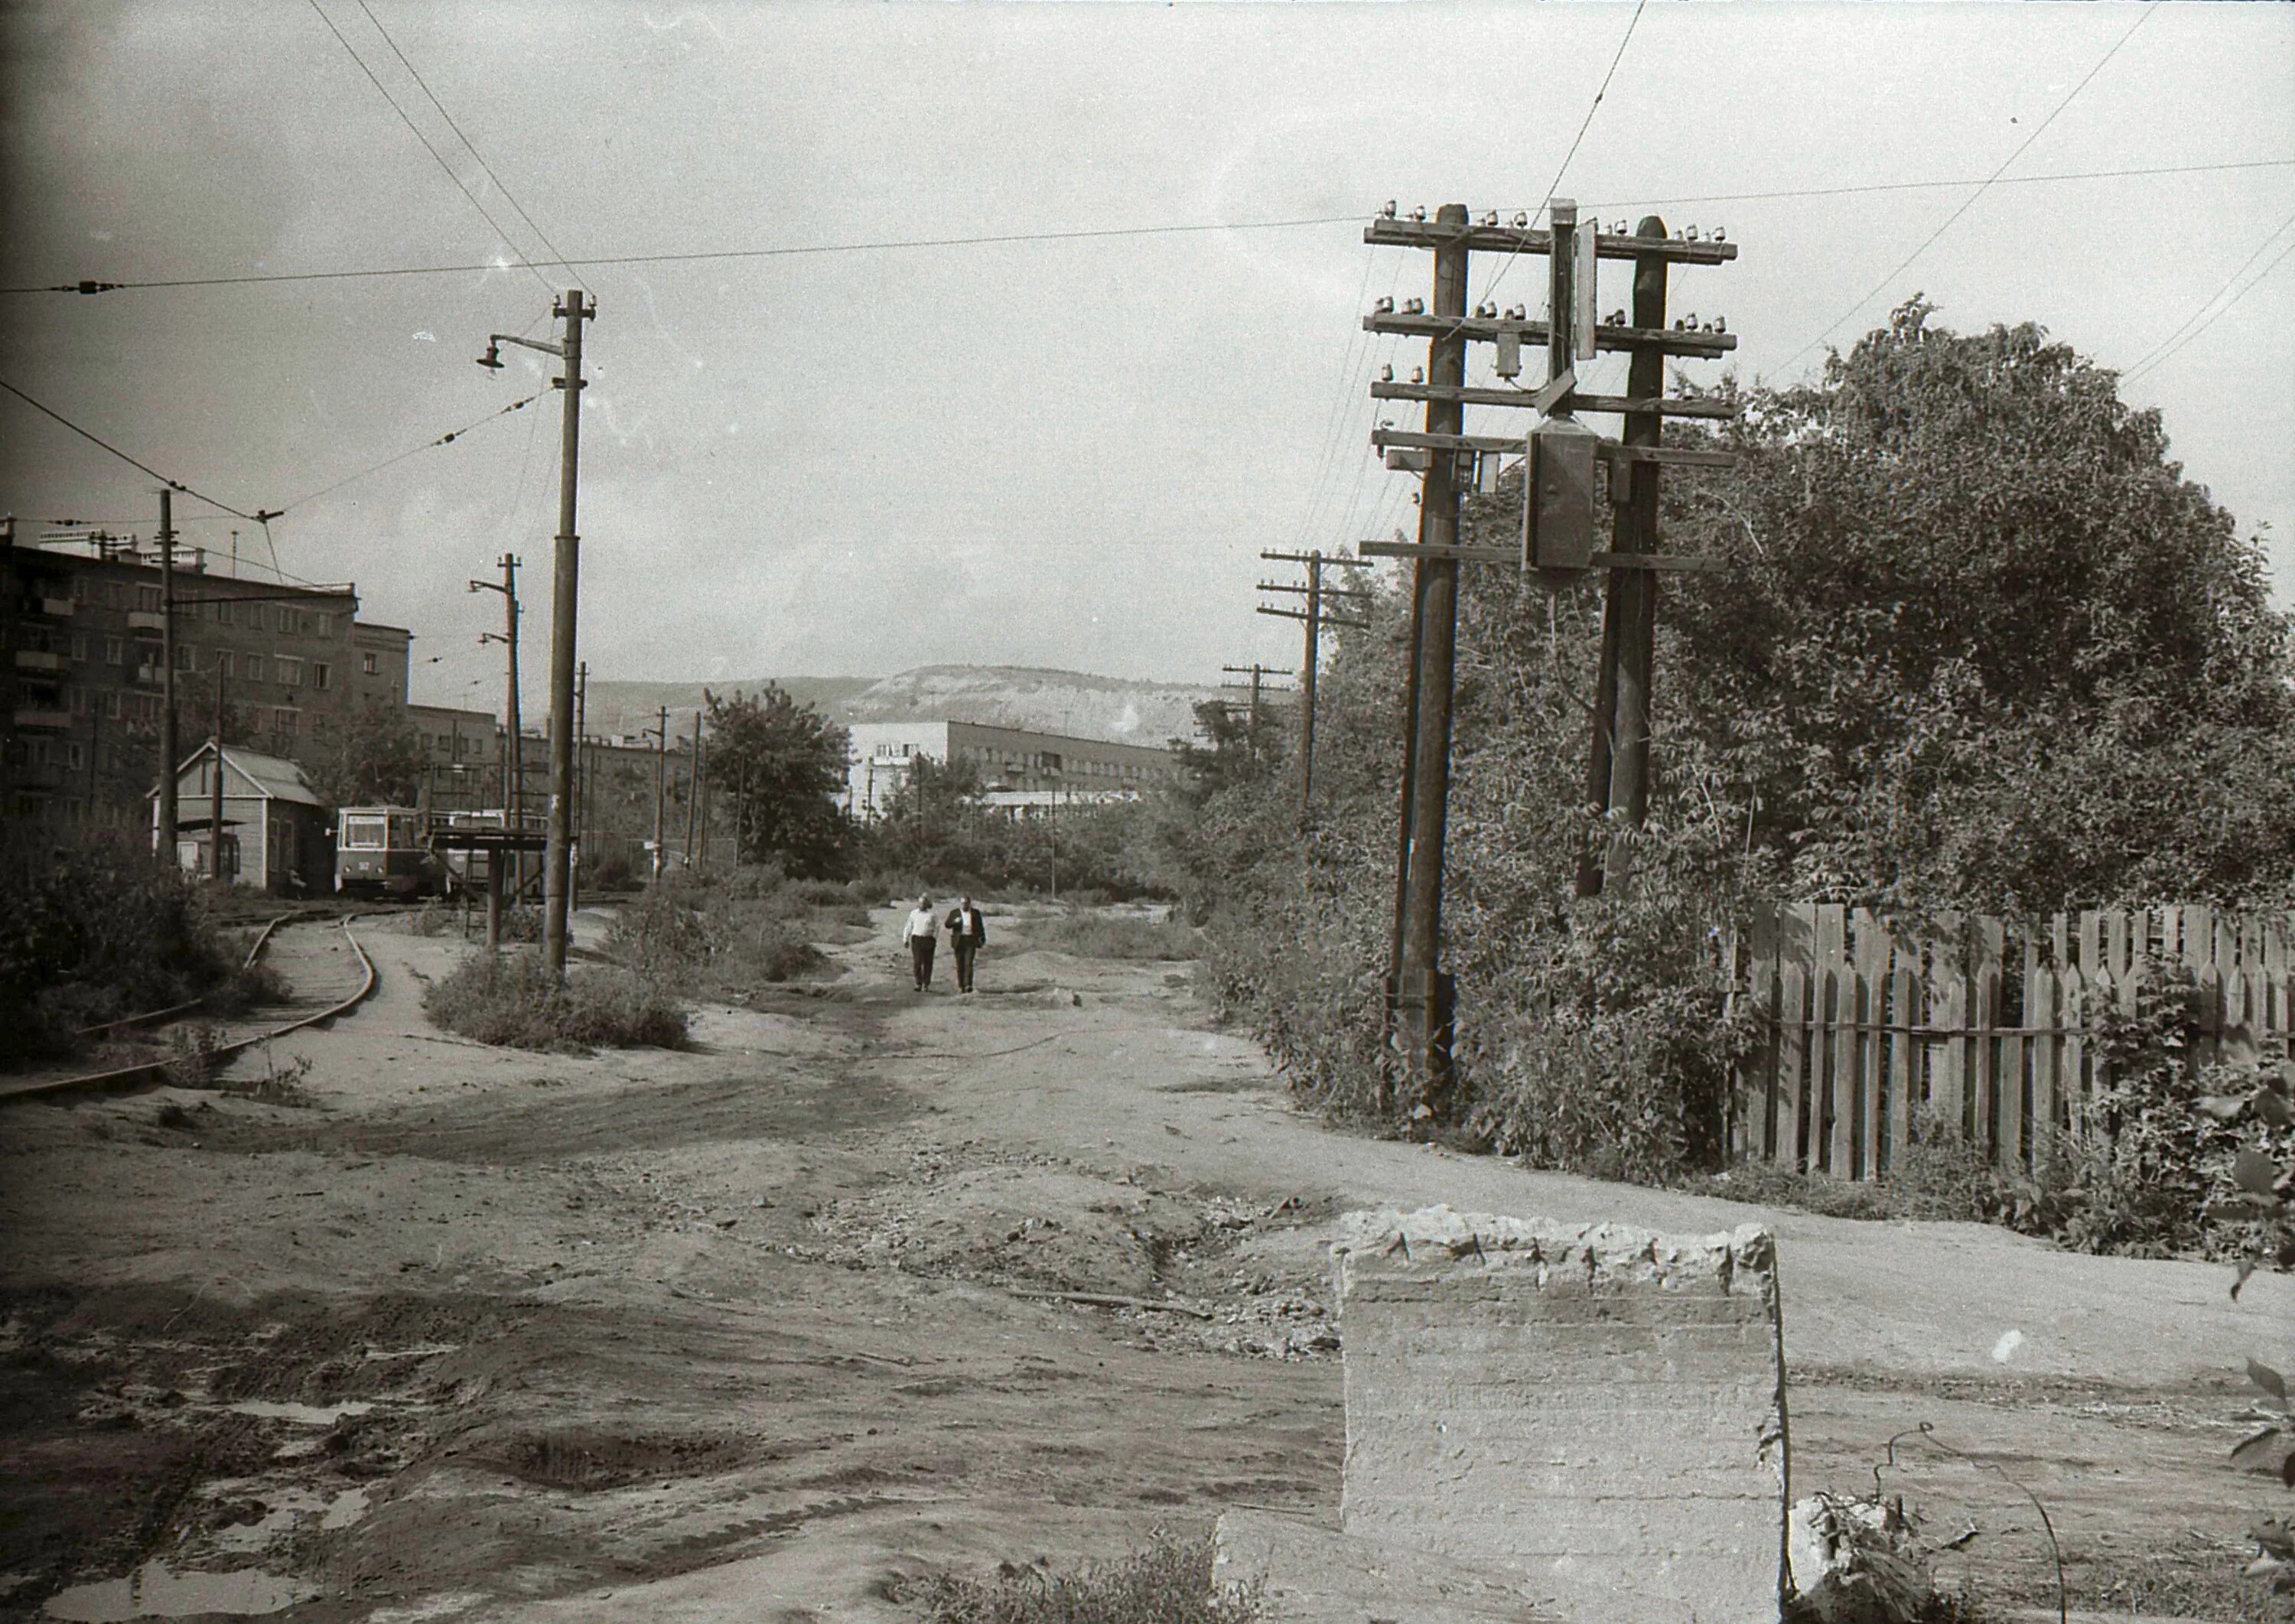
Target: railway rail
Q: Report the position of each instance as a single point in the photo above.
(326, 978)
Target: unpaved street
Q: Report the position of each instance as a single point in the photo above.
(750, 1331)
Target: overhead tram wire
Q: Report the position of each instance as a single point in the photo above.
(447, 439)
(467, 145)
(2176, 339)
(426, 146)
(256, 518)
(889, 245)
(1969, 202)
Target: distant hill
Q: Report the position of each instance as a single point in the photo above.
(1072, 702)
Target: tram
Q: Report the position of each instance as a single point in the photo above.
(379, 851)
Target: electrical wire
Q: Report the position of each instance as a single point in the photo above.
(447, 439)
(424, 86)
(94, 438)
(1969, 202)
(2175, 340)
(419, 135)
(1491, 287)
(593, 261)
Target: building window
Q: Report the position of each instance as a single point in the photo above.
(320, 673)
(291, 671)
(223, 661)
(147, 600)
(111, 704)
(78, 697)
(223, 611)
(74, 755)
(115, 594)
(367, 664)
(255, 668)
(115, 651)
(326, 624)
(283, 720)
(79, 645)
(185, 656)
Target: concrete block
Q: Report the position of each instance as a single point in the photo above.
(1600, 1408)
(1306, 1573)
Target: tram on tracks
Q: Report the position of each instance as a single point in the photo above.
(379, 850)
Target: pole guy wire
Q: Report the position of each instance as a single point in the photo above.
(2154, 357)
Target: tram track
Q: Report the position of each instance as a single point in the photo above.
(325, 979)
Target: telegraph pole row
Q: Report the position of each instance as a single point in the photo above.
(659, 734)
(167, 809)
(1560, 458)
(1316, 619)
(513, 751)
(693, 792)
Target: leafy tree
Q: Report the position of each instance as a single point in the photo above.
(785, 762)
(373, 758)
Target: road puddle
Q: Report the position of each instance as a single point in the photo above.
(308, 1415)
(155, 1591)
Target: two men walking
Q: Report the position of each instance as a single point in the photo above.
(966, 933)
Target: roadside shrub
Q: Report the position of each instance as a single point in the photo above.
(1170, 1582)
(511, 1001)
(95, 933)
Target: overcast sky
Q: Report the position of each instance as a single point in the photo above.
(1053, 454)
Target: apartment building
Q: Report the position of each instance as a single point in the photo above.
(81, 625)
(1022, 771)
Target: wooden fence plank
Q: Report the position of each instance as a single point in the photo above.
(1793, 1051)
(1830, 936)
(2045, 1022)
(2071, 1092)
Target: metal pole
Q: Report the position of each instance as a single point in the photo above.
(165, 838)
(1307, 684)
(215, 798)
(557, 877)
(1435, 607)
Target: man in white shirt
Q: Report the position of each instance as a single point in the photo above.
(918, 934)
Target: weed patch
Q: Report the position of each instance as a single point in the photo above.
(510, 1001)
(1099, 936)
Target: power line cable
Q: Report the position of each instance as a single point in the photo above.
(419, 136)
(2159, 351)
(447, 439)
(424, 85)
(896, 244)
(1584, 124)
(596, 260)
(2153, 362)
(1969, 202)
(96, 440)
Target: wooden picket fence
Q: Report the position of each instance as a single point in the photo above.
(1980, 1021)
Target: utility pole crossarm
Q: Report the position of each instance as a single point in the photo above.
(1518, 240)
(1487, 329)
(1696, 406)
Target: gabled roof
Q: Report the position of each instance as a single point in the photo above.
(271, 777)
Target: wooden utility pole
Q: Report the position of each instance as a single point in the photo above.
(513, 752)
(660, 731)
(1316, 616)
(1256, 671)
(215, 798)
(169, 816)
(557, 873)
(1559, 459)
(581, 783)
(693, 791)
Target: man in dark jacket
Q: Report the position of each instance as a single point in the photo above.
(966, 931)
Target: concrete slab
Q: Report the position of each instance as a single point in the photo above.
(1307, 1573)
(1601, 1408)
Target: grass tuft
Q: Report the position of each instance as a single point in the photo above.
(1094, 935)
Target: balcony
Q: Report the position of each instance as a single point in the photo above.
(39, 659)
(148, 676)
(54, 608)
(147, 620)
(39, 719)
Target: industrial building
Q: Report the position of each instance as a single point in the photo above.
(1024, 772)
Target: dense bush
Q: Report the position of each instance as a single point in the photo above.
(512, 1000)
(1097, 935)
(1170, 1582)
(729, 932)
(938, 829)
(94, 932)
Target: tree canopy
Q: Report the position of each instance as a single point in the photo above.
(785, 763)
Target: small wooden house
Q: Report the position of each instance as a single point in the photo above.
(277, 834)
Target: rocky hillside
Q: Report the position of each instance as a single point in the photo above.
(1071, 702)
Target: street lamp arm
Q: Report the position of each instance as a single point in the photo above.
(558, 350)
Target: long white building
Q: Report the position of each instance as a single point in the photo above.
(1024, 772)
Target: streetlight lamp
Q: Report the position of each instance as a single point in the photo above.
(574, 310)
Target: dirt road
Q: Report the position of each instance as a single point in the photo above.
(750, 1331)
